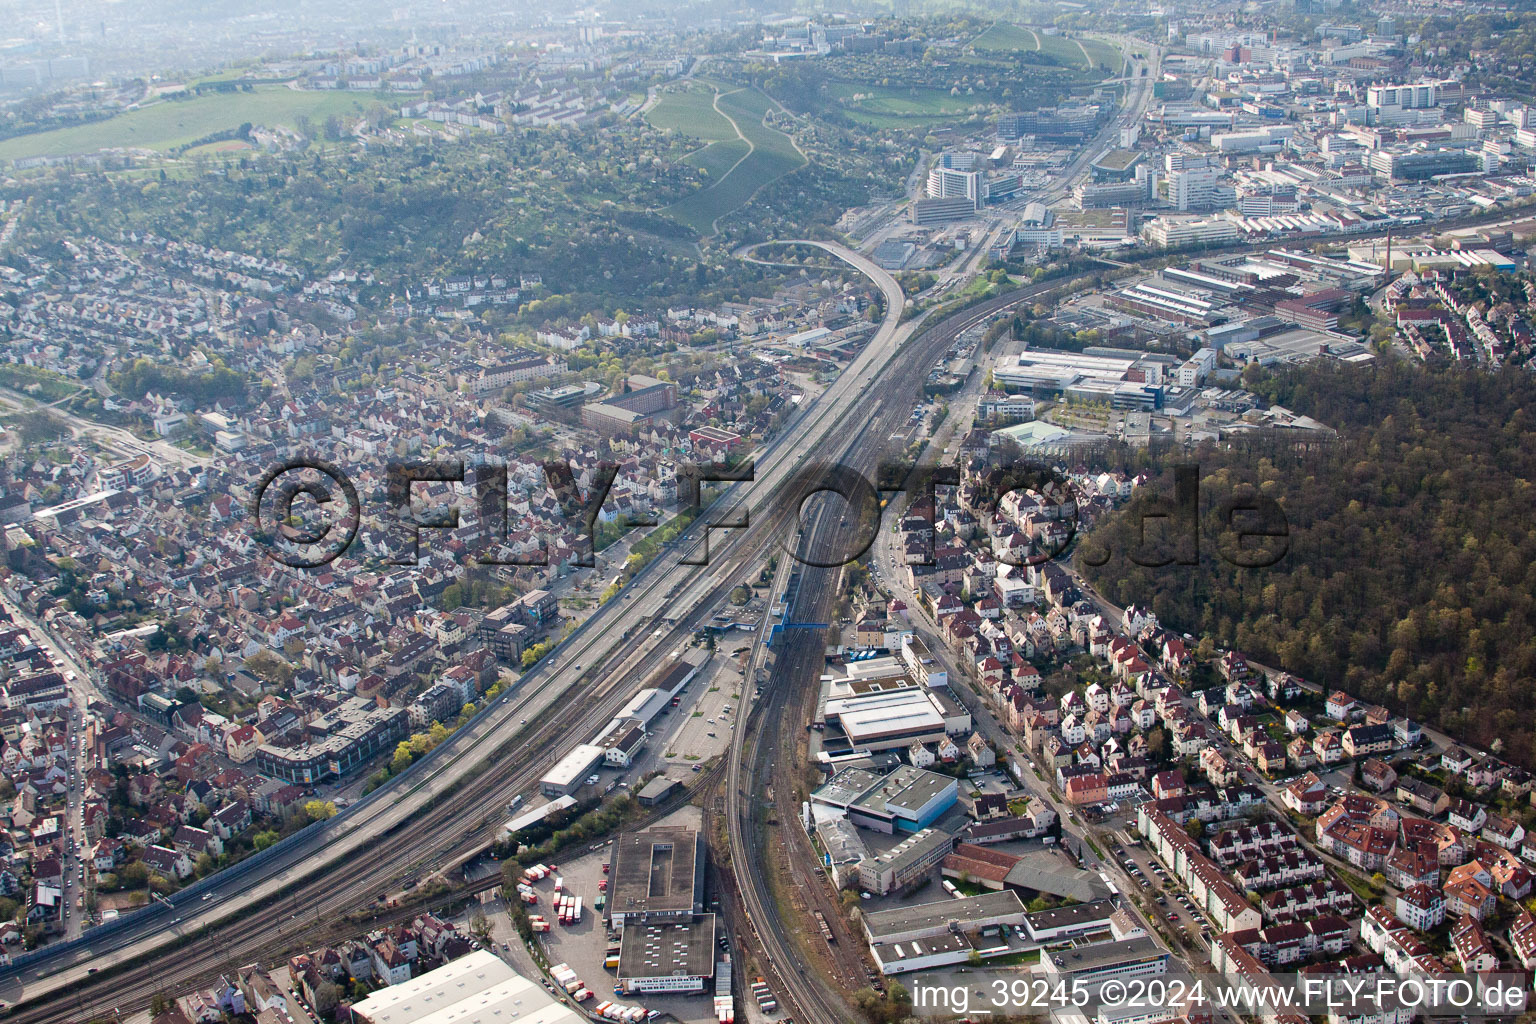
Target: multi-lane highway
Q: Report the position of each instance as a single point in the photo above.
(453, 801)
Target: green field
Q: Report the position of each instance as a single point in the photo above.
(1104, 53)
(1004, 36)
(893, 107)
(691, 111)
(772, 156)
(170, 123)
(718, 157)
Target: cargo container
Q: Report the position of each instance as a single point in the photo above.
(582, 994)
(601, 1009)
(612, 963)
(540, 926)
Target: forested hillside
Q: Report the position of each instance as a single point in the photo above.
(1410, 578)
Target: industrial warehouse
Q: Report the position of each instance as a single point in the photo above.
(667, 942)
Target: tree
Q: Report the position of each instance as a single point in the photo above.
(403, 757)
(263, 839)
(319, 810)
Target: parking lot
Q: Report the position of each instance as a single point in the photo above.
(700, 727)
(1171, 902)
(584, 946)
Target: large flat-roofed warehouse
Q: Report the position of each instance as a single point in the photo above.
(667, 956)
(886, 719)
(905, 800)
(925, 920)
(657, 875)
(947, 932)
(478, 988)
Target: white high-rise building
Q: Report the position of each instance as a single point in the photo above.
(945, 183)
(1193, 189)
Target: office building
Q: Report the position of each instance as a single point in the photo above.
(1090, 196)
(946, 183)
(938, 211)
(932, 935)
(1198, 189)
(1422, 164)
(667, 956)
(1197, 367)
(904, 865)
(1171, 232)
(644, 402)
(337, 743)
(1105, 961)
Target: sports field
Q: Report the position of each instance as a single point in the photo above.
(768, 154)
(166, 124)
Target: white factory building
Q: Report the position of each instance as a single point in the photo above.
(478, 988)
(888, 719)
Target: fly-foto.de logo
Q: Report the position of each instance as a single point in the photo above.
(1247, 528)
(306, 512)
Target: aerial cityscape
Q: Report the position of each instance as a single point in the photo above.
(767, 511)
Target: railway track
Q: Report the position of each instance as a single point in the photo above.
(462, 796)
(763, 766)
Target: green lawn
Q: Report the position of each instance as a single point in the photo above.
(691, 111)
(1105, 54)
(1063, 49)
(1003, 36)
(718, 157)
(773, 155)
(881, 106)
(169, 123)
